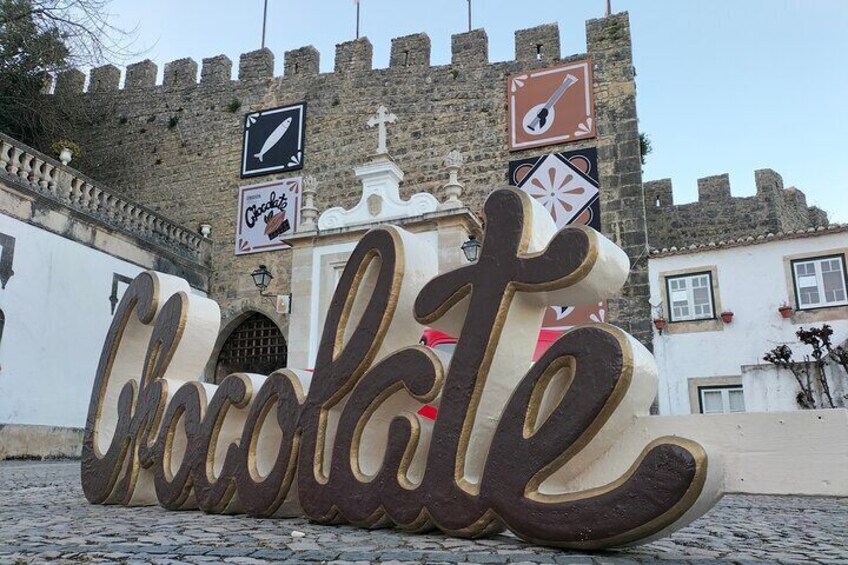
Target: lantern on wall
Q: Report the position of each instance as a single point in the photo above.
(471, 248)
(262, 278)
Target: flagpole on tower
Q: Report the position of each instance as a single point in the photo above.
(469, 15)
(264, 20)
(357, 17)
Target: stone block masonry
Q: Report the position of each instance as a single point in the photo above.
(719, 216)
(410, 51)
(216, 69)
(176, 147)
(142, 75)
(303, 61)
(538, 43)
(256, 65)
(181, 74)
(470, 48)
(104, 78)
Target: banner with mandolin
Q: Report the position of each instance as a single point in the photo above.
(551, 106)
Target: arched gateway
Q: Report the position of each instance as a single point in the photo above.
(256, 345)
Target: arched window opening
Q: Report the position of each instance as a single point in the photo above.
(256, 346)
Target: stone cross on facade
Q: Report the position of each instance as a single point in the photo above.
(382, 118)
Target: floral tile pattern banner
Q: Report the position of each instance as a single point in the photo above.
(551, 106)
(566, 184)
(267, 214)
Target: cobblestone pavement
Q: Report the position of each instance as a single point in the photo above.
(43, 516)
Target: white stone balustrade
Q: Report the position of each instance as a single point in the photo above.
(50, 179)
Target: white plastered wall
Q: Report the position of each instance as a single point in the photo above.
(57, 312)
(752, 284)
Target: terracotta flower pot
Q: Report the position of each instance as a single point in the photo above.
(785, 311)
(727, 317)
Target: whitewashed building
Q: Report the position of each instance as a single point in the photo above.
(719, 308)
(68, 250)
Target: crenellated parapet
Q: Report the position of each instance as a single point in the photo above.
(70, 82)
(354, 56)
(541, 43)
(181, 73)
(410, 51)
(176, 145)
(216, 70)
(256, 65)
(104, 79)
(141, 75)
(302, 62)
(470, 48)
(717, 214)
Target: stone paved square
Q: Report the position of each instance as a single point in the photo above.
(44, 517)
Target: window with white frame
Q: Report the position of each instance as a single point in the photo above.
(690, 297)
(721, 399)
(820, 282)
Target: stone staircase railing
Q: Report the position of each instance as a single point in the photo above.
(71, 188)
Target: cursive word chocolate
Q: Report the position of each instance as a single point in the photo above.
(510, 448)
(253, 212)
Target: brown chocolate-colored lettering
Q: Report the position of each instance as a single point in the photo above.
(154, 433)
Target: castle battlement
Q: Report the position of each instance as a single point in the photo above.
(717, 212)
(540, 43)
(176, 144)
(716, 188)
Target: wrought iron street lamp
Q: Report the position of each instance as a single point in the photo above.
(471, 248)
(262, 278)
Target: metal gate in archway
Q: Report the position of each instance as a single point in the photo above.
(256, 346)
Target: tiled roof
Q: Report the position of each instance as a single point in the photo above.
(750, 240)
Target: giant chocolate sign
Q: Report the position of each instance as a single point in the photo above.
(511, 448)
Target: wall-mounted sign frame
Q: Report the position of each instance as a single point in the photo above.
(267, 214)
(567, 185)
(273, 140)
(551, 106)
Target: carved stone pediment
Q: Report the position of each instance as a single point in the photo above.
(380, 200)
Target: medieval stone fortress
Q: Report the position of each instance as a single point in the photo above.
(145, 138)
(193, 177)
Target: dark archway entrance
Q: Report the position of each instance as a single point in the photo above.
(256, 346)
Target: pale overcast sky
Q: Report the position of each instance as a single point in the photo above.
(723, 86)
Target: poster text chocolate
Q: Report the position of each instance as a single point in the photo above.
(253, 212)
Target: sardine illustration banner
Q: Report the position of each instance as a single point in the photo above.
(268, 213)
(514, 446)
(274, 140)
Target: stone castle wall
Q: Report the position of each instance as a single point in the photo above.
(176, 146)
(718, 216)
